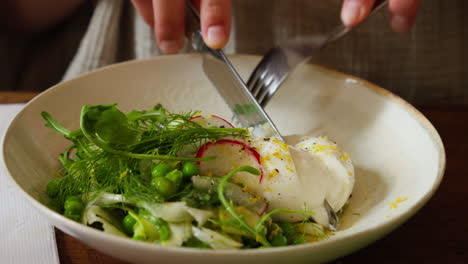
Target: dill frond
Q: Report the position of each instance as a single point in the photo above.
(99, 163)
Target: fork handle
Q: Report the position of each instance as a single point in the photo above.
(342, 29)
(304, 48)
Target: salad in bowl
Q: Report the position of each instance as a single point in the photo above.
(194, 180)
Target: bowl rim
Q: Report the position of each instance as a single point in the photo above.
(388, 224)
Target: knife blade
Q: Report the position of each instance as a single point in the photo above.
(222, 74)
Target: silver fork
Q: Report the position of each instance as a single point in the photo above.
(278, 62)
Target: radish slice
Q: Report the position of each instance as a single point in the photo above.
(233, 192)
(211, 120)
(204, 121)
(230, 154)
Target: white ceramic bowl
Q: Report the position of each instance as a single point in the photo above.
(398, 155)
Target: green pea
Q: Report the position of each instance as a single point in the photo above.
(141, 238)
(72, 215)
(175, 176)
(279, 240)
(288, 229)
(163, 229)
(74, 205)
(164, 186)
(128, 224)
(189, 169)
(164, 233)
(299, 240)
(160, 170)
(74, 198)
(53, 188)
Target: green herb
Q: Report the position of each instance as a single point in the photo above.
(229, 206)
(110, 145)
(267, 215)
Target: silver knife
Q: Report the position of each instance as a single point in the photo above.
(246, 110)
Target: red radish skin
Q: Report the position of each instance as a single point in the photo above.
(252, 151)
(204, 121)
(71, 153)
(264, 210)
(216, 120)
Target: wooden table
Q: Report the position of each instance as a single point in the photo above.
(438, 233)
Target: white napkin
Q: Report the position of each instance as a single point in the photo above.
(25, 235)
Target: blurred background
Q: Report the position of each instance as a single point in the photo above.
(425, 66)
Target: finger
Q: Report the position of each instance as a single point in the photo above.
(169, 24)
(354, 12)
(403, 14)
(215, 18)
(145, 8)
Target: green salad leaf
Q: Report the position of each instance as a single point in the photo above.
(107, 126)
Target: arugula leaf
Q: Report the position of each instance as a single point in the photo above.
(54, 124)
(156, 114)
(107, 126)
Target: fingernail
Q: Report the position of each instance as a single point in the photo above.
(400, 23)
(216, 37)
(353, 12)
(170, 46)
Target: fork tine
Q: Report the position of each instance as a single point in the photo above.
(273, 88)
(268, 96)
(260, 83)
(264, 87)
(253, 85)
(253, 78)
(258, 73)
(257, 81)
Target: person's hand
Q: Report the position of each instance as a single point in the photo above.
(402, 13)
(167, 18)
